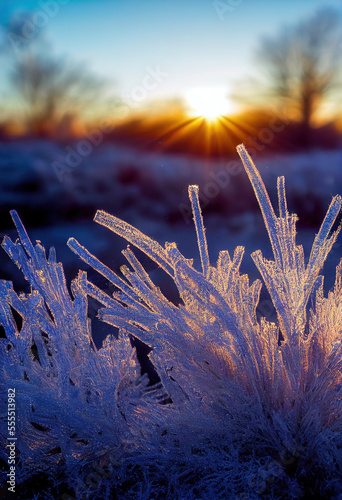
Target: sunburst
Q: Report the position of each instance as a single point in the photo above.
(208, 102)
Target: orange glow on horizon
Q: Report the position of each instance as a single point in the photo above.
(191, 134)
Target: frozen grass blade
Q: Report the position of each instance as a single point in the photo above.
(288, 282)
(322, 244)
(92, 261)
(136, 237)
(282, 197)
(235, 412)
(200, 231)
(264, 201)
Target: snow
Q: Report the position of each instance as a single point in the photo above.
(227, 374)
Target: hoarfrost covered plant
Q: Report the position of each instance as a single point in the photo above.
(244, 407)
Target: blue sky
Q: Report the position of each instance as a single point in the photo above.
(189, 40)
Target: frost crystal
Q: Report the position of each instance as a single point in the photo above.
(244, 406)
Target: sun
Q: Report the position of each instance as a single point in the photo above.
(208, 102)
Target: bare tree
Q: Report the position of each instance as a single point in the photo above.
(301, 68)
(53, 90)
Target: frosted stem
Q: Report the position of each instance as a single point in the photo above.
(200, 231)
(263, 199)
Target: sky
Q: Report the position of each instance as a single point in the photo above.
(155, 49)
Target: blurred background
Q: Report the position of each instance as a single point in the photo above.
(119, 106)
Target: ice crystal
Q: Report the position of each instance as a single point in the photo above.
(244, 406)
